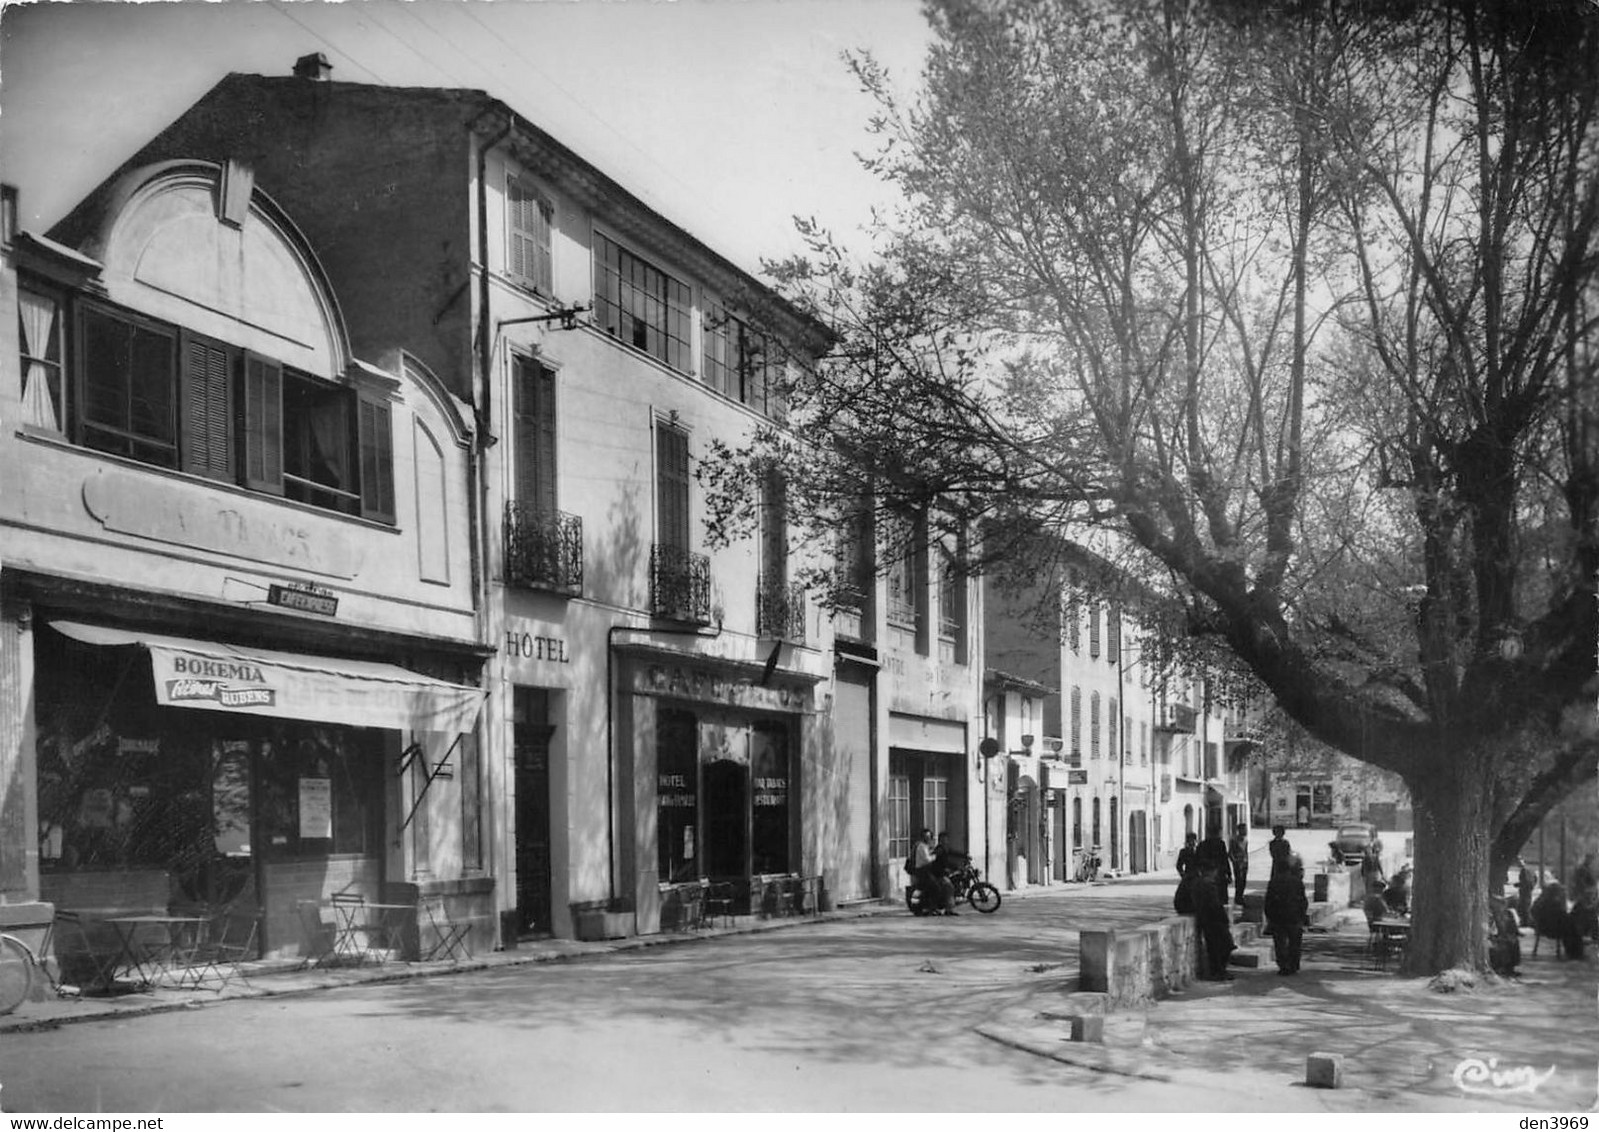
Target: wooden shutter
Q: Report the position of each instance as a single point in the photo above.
(533, 411)
(774, 529)
(263, 424)
(543, 213)
(207, 441)
(671, 477)
(377, 459)
(528, 216)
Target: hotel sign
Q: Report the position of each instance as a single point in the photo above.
(690, 682)
(307, 599)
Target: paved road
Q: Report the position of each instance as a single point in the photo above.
(859, 1015)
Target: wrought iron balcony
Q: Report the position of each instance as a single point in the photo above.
(1177, 718)
(680, 585)
(780, 610)
(852, 614)
(543, 549)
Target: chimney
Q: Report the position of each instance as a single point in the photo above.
(314, 67)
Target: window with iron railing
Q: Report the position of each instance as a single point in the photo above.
(543, 549)
(779, 610)
(680, 585)
(854, 617)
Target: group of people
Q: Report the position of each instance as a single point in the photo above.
(1208, 868)
(930, 864)
(1571, 918)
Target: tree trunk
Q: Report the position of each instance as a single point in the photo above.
(1449, 892)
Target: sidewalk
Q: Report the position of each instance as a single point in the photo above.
(1403, 1044)
(1500, 1045)
(272, 978)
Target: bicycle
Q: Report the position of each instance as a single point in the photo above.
(19, 967)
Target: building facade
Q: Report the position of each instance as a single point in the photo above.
(662, 709)
(1131, 753)
(240, 661)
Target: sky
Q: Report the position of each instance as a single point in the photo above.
(729, 117)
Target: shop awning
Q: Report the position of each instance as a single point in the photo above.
(213, 676)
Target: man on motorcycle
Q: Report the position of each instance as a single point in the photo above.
(946, 858)
(928, 876)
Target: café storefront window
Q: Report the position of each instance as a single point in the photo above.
(147, 806)
(677, 796)
(769, 798)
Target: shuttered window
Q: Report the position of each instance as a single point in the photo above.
(528, 217)
(671, 485)
(774, 528)
(127, 373)
(208, 408)
(377, 459)
(533, 409)
(263, 425)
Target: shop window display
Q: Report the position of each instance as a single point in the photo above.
(182, 805)
(677, 795)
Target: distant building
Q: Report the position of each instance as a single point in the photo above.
(1132, 753)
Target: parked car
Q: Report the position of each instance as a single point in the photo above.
(1353, 842)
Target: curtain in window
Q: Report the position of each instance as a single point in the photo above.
(40, 379)
(329, 441)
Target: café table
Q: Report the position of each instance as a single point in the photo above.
(1390, 936)
(150, 962)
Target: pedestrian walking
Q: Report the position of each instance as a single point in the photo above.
(1287, 913)
(1185, 855)
(1526, 883)
(1215, 925)
(1238, 855)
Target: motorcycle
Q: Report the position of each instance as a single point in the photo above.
(1088, 867)
(969, 886)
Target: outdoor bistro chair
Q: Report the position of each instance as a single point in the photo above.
(83, 963)
(316, 934)
(230, 942)
(719, 896)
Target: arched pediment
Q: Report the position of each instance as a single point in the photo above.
(201, 247)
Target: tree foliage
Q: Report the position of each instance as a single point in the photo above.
(1293, 306)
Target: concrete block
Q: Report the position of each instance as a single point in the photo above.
(1243, 959)
(1096, 952)
(1088, 1028)
(1081, 1003)
(1324, 1071)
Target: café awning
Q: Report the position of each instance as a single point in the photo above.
(213, 676)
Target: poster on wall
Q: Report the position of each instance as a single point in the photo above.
(316, 808)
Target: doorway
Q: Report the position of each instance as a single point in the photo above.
(727, 815)
(532, 731)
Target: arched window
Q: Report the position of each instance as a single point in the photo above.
(1094, 840)
(1077, 823)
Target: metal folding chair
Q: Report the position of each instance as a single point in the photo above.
(229, 944)
(81, 963)
(316, 934)
(449, 938)
(719, 897)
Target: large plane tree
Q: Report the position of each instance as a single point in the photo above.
(1295, 303)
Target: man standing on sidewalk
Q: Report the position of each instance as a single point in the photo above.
(1212, 856)
(1287, 912)
(1238, 852)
